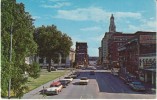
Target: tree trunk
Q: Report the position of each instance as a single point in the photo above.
(49, 67)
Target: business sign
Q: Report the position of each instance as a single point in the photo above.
(151, 39)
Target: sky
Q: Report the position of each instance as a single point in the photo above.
(88, 20)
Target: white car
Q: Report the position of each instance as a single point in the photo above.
(68, 78)
(83, 80)
(54, 88)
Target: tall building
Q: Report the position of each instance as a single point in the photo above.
(112, 27)
(107, 36)
(81, 55)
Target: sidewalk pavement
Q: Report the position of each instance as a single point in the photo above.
(37, 94)
(150, 88)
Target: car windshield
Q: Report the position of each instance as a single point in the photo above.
(62, 81)
(137, 83)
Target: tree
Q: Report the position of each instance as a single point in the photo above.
(50, 42)
(18, 22)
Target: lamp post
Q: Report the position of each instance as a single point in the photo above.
(9, 84)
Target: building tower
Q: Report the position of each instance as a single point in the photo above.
(112, 27)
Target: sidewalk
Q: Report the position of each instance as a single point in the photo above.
(150, 88)
(37, 94)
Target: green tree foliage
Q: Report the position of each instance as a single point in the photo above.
(52, 41)
(18, 22)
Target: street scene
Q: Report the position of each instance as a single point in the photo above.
(100, 86)
(78, 49)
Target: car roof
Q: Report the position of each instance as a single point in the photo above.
(55, 83)
(83, 77)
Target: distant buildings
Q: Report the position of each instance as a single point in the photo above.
(70, 59)
(81, 56)
(92, 60)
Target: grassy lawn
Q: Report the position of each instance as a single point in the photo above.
(45, 77)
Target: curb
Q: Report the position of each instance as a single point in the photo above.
(37, 91)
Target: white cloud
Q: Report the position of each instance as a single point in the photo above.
(81, 14)
(95, 28)
(57, 5)
(128, 14)
(36, 17)
(145, 25)
(93, 13)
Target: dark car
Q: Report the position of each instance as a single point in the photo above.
(64, 83)
(77, 73)
(92, 73)
(137, 86)
(129, 79)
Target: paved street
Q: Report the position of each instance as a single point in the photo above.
(102, 85)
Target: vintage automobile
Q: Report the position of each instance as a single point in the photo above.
(137, 86)
(73, 75)
(83, 80)
(54, 88)
(68, 78)
(64, 82)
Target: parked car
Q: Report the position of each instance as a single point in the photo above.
(77, 73)
(68, 78)
(73, 75)
(83, 80)
(64, 82)
(92, 73)
(54, 88)
(129, 79)
(137, 86)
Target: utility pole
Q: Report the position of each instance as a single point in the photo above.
(9, 84)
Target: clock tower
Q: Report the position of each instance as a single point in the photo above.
(112, 27)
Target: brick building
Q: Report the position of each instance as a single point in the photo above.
(81, 55)
(116, 40)
(137, 56)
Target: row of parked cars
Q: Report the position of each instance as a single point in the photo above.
(57, 86)
(134, 83)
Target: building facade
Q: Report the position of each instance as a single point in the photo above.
(81, 56)
(70, 59)
(100, 56)
(118, 39)
(137, 56)
(106, 38)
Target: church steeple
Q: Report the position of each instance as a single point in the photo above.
(112, 27)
